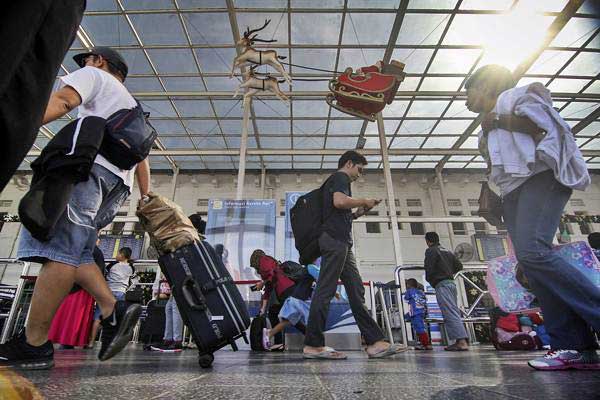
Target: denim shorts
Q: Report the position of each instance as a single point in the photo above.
(93, 205)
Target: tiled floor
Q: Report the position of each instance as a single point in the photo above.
(135, 375)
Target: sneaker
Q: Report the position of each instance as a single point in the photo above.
(176, 345)
(17, 353)
(265, 339)
(165, 344)
(117, 329)
(566, 359)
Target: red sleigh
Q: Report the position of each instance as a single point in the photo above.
(366, 92)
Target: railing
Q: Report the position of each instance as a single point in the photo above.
(12, 314)
(466, 309)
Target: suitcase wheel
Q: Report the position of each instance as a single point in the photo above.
(206, 360)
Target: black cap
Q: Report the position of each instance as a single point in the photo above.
(110, 55)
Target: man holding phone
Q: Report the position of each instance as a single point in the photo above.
(338, 263)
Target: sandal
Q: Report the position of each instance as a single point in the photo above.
(390, 351)
(455, 347)
(327, 354)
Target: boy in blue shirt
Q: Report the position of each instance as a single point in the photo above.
(418, 311)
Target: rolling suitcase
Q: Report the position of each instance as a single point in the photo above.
(208, 300)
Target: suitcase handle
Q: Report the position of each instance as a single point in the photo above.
(193, 294)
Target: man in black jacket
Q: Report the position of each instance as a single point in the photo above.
(440, 267)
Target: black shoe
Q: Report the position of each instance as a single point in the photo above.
(18, 353)
(175, 345)
(117, 329)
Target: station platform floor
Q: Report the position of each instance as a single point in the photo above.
(481, 373)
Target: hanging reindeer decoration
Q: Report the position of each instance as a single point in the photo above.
(255, 85)
(258, 57)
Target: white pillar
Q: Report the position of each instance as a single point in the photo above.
(263, 181)
(438, 175)
(243, 149)
(390, 191)
(174, 182)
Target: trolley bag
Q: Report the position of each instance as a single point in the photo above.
(210, 304)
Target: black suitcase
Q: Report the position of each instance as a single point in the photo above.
(208, 300)
(152, 323)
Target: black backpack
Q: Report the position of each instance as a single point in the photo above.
(306, 218)
(293, 270)
(256, 332)
(128, 137)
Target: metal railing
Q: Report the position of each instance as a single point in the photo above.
(466, 309)
(10, 318)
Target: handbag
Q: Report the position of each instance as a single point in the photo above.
(490, 205)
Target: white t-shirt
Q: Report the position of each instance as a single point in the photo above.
(101, 96)
(118, 277)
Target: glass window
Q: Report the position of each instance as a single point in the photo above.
(459, 228)
(416, 228)
(373, 227)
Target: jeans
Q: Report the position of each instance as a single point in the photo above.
(173, 321)
(338, 263)
(93, 205)
(569, 301)
(445, 293)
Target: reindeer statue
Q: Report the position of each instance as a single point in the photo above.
(258, 57)
(255, 85)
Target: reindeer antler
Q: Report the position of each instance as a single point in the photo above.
(251, 31)
(253, 39)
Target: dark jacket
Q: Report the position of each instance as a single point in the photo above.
(72, 151)
(65, 161)
(440, 264)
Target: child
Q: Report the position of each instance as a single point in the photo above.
(418, 311)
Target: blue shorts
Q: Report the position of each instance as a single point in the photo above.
(93, 205)
(98, 313)
(418, 323)
(295, 310)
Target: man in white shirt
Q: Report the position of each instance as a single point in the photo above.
(96, 90)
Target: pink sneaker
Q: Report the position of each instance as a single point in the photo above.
(557, 360)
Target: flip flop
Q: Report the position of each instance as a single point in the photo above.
(328, 354)
(454, 347)
(390, 351)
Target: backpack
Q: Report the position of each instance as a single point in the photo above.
(293, 270)
(128, 137)
(306, 218)
(256, 332)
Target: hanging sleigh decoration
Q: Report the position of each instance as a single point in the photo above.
(366, 92)
(250, 55)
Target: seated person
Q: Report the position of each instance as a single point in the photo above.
(418, 311)
(119, 275)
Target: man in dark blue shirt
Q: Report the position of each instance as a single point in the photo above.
(338, 263)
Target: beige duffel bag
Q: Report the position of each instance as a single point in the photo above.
(168, 227)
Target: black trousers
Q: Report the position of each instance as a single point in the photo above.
(338, 263)
(34, 37)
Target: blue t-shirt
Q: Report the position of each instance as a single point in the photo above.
(417, 301)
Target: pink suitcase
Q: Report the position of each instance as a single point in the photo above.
(510, 296)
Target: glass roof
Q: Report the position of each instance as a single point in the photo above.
(180, 54)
